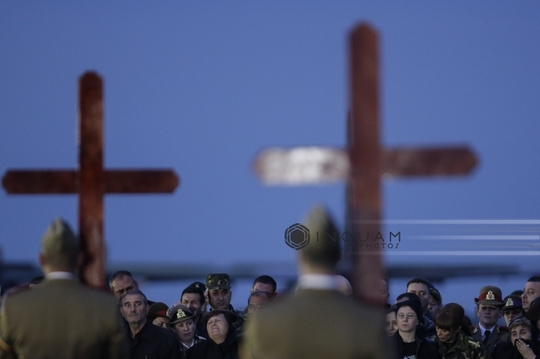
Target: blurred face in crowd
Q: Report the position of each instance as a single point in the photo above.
(530, 292)
(219, 298)
(193, 302)
(422, 291)
(407, 321)
(185, 330)
(255, 302)
(134, 309)
(488, 315)
(511, 314)
(391, 323)
(446, 336)
(217, 328)
(160, 322)
(122, 285)
(520, 332)
(262, 287)
(433, 306)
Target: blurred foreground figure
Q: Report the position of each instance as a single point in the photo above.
(61, 318)
(317, 321)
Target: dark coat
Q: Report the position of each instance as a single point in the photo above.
(506, 350)
(208, 349)
(154, 342)
(425, 347)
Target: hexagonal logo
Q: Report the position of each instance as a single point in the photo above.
(297, 236)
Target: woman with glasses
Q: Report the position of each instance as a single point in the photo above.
(452, 340)
(409, 342)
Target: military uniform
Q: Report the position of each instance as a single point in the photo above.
(463, 348)
(490, 296)
(498, 335)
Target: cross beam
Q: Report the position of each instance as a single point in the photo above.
(363, 163)
(90, 181)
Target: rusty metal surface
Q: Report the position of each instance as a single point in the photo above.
(90, 181)
(91, 178)
(65, 181)
(364, 184)
(436, 161)
(140, 181)
(40, 182)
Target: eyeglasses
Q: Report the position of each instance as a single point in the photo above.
(408, 316)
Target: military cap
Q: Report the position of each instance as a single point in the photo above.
(512, 301)
(218, 281)
(157, 310)
(59, 238)
(179, 313)
(490, 295)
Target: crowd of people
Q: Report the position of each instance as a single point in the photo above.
(57, 317)
(421, 327)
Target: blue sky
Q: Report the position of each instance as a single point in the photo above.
(203, 87)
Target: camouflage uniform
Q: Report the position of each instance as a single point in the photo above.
(463, 348)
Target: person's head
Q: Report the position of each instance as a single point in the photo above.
(265, 283)
(520, 329)
(530, 292)
(512, 308)
(193, 298)
(218, 324)
(420, 287)
(59, 248)
(322, 253)
(121, 282)
(488, 306)
(219, 290)
(134, 307)
(255, 300)
(391, 321)
(448, 322)
(157, 314)
(408, 296)
(181, 322)
(408, 315)
(534, 313)
(435, 301)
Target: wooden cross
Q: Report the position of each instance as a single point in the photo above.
(91, 181)
(363, 163)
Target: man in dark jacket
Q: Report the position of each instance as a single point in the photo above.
(146, 340)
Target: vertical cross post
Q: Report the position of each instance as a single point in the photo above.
(364, 185)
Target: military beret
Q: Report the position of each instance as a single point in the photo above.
(157, 310)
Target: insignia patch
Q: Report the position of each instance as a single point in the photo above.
(180, 314)
(490, 295)
(509, 302)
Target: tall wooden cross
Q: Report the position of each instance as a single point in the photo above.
(90, 181)
(363, 163)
